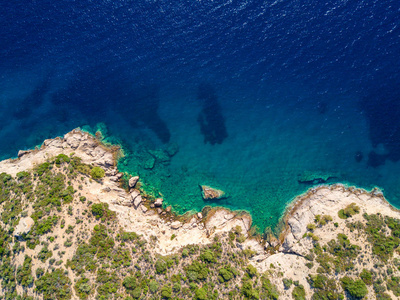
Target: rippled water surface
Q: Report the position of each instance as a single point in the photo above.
(262, 99)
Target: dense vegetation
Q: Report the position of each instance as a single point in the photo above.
(108, 263)
(44, 192)
(80, 251)
(338, 258)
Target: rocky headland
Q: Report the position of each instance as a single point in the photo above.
(335, 242)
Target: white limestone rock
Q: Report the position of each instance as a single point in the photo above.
(138, 200)
(24, 226)
(158, 202)
(176, 225)
(23, 152)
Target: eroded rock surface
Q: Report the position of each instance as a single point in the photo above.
(24, 226)
(210, 193)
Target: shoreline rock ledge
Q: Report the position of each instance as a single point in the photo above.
(210, 193)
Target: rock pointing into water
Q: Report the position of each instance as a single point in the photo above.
(158, 202)
(24, 226)
(136, 198)
(133, 181)
(210, 193)
(23, 152)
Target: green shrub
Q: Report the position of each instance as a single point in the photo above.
(227, 273)
(393, 284)
(200, 294)
(383, 245)
(185, 252)
(100, 210)
(45, 225)
(83, 288)
(311, 227)
(153, 286)
(44, 254)
(39, 272)
(299, 293)
(356, 288)
(108, 283)
(251, 271)
(61, 158)
(196, 271)
(161, 266)
(130, 283)
(176, 287)
(349, 211)
(54, 285)
(248, 291)
(366, 276)
(269, 291)
(324, 288)
(97, 173)
(208, 256)
(24, 272)
(287, 283)
(166, 292)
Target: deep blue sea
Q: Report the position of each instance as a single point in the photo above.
(257, 98)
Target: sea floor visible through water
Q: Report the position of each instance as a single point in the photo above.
(277, 136)
(262, 165)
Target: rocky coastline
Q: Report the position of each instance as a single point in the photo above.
(288, 254)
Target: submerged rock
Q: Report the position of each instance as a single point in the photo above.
(172, 149)
(24, 226)
(315, 177)
(210, 193)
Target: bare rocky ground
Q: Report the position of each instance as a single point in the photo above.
(294, 256)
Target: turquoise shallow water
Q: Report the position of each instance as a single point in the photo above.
(253, 96)
(260, 163)
(273, 143)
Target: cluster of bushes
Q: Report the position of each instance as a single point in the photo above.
(54, 285)
(12, 193)
(383, 245)
(356, 288)
(324, 287)
(344, 251)
(349, 211)
(322, 220)
(24, 273)
(112, 264)
(101, 211)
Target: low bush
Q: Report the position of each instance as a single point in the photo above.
(356, 288)
(97, 173)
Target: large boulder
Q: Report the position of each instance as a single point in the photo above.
(210, 193)
(133, 181)
(158, 202)
(134, 194)
(24, 226)
(138, 200)
(176, 225)
(23, 152)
